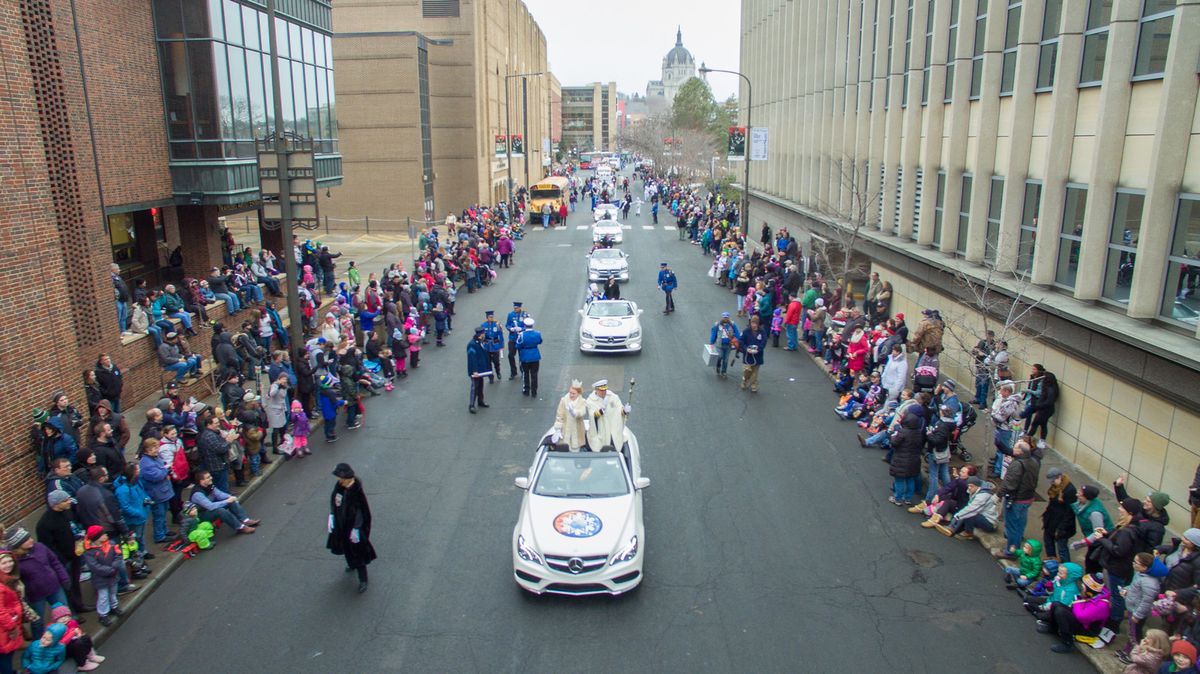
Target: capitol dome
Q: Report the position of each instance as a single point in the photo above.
(678, 54)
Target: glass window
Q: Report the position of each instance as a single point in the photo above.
(268, 98)
(1181, 293)
(168, 19)
(1008, 72)
(1029, 218)
(295, 50)
(205, 91)
(977, 54)
(221, 70)
(311, 111)
(202, 18)
(264, 35)
(233, 23)
(306, 40)
(177, 92)
(255, 82)
(939, 208)
(250, 28)
(239, 91)
(1070, 236)
(1095, 42)
(1122, 245)
(299, 99)
(995, 204)
(288, 113)
(319, 43)
(964, 214)
(952, 51)
(331, 107)
(928, 63)
(1154, 37)
(1048, 51)
(281, 37)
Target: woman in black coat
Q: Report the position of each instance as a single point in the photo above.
(350, 524)
(1043, 406)
(305, 384)
(1114, 551)
(1058, 520)
(907, 444)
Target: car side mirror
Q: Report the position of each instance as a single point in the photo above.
(580, 311)
(641, 311)
(640, 483)
(523, 482)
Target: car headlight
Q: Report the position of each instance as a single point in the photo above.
(635, 334)
(586, 334)
(627, 553)
(527, 553)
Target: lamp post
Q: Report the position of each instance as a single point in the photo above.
(745, 218)
(508, 131)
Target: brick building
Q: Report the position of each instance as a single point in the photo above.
(126, 130)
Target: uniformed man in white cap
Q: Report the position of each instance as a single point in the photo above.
(606, 418)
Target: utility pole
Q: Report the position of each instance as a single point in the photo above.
(525, 124)
(295, 318)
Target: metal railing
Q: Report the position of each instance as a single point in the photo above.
(248, 224)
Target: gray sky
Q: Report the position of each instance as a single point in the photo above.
(636, 34)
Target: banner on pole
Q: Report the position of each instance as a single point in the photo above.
(518, 145)
(737, 143)
(501, 145)
(758, 143)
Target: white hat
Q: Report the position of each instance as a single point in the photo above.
(528, 322)
(602, 383)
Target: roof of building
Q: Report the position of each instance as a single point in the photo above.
(679, 55)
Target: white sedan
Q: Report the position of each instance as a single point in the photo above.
(605, 263)
(610, 228)
(611, 326)
(611, 209)
(580, 528)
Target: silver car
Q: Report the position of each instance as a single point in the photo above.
(605, 263)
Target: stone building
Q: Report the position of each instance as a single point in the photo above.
(589, 117)
(678, 67)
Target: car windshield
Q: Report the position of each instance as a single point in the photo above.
(546, 193)
(607, 254)
(608, 309)
(581, 475)
(608, 224)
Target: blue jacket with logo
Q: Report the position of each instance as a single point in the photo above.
(666, 280)
(527, 346)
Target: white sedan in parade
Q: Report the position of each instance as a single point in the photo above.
(610, 326)
(608, 228)
(601, 209)
(605, 263)
(580, 528)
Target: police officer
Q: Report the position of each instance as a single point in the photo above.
(667, 283)
(527, 344)
(493, 342)
(478, 367)
(514, 323)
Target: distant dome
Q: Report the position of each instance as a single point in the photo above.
(679, 56)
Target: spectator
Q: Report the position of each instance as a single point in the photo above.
(110, 381)
(56, 529)
(1019, 490)
(44, 577)
(12, 611)
(905, 464)
(134, 503)
(104, 561)
(1058, 520)
(980, 512)
(172, 306)
(64, 416)
(929, 333)
(215, 503)
(120, 428)
(213, 449)
(218, 284)
(171, 358)
(61, 478)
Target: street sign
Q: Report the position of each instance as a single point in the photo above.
(501, 145)
(737, 143)
(518, 145)
(758, 143)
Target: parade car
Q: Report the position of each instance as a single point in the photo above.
(610, 228)
(580, 528)
(605, 263)
(611, 209)
(610, 326)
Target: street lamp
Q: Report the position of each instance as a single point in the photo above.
(508, 130)
(704, 71)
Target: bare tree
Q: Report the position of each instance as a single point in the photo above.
(648, 138)
(856, 208)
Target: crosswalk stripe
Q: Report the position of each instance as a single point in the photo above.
(647, 226)
(582, 227)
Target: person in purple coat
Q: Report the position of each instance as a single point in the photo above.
(44, 576)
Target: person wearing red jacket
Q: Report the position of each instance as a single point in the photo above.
(791, 323)
(12, 611)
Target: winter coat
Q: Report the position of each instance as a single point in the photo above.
(856, 353)
(1143, 590)
(103, 561)
(907, 443)
(42, 573)
(928, 333)
(1030, 565)
(984, 503)
(132, 498)
(300, 425)
(937, 440)
(1116, 550)
(155, 479)
(110, 380)
(1183, 569)
(895, 374)
(1020, 481)
(1145, 660)
(350, 511)
(213, 450)
(477, 359)
(56, 530)
(39, 659)
(725, 332)
(276, 405)
(12, 613)
(1058, 519)
(568, 420)
(97, 505)
(1092, 610)
(1066, 590)
(756, 341)
(527, 346)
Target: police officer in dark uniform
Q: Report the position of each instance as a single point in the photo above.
(514, 323)
(493, 342)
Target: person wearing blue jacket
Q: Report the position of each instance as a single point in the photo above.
(479, 365)
(724, 335)
(752, 347)
(667, 283)
(493, 342)
(527, 347)
(134, 502)
(156, 481)
(513, 323)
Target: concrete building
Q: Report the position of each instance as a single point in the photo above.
(678, 67)
(128, 129)
(1046, 148)
(589, 117)
(555, 116)
(432, 75)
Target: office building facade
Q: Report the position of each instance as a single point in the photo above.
(589, 117)
(1047, 149)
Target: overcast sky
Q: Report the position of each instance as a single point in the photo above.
(625, 40)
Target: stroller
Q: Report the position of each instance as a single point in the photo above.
(373, 379)
(925, 379)
(969, 418)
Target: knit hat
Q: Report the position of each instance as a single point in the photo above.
(1132, 506)
(296, 406)
(899, 317)
(95, 531)
(974, 481)
(40, 416)
(1050, 566)
(1192, 536)
(1090, 492)
(58, 496)
(1183, 647)
(58, 611)
(15, 536)
(1094, 582)
(1160, 500)
(57, 630)
(344, 471)
(820, 302)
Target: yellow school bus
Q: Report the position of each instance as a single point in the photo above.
(553, 191)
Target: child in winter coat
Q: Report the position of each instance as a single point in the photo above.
(300, 430)
(1028, 568)
(1182, 661)
(327, 395)
(308, 275)
(414, 347)
(46, 655)
(1045, 584)
(1148, 572)
(441, 321)
(1148, 656)
(77, 643)
(776, 325)
(104, 560)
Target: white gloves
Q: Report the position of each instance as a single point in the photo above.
(556, 436)
(331, 524)
(354, 536)
(628, 408)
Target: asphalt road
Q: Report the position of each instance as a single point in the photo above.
(771, 546)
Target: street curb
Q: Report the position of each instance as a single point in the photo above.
(160, 575)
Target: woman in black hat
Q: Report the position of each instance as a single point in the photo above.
(350, 523)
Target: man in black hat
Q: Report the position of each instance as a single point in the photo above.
(350, 524)
(667, 283)
(478, 367)
(515, 324)
(493, 342)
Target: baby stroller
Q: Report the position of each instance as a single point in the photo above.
(969, 417)
(925, 379)
(372, 378)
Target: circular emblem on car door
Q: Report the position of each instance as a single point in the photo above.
(575, 565)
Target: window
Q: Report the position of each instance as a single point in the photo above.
(1029, 219)
(1070, 236)
(1154, 37)
(917, 202)
(908, 31)
(995, 204)
(439, 9)
(887, 67)
(928, 63)
(952, 51)
(977, 54)
(1180, 300)
(1095, 42)
(939, 205)
(964, 214)
(1008, 73)
(1048, 48)
(1122, 245)
(871, 63)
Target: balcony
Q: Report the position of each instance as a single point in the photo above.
(235, 181)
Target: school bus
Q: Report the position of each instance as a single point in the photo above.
(553, 191)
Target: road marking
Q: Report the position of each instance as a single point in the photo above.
(582, 227)
(563, 245)
(626, 226)
(648, 227)
(559, 228)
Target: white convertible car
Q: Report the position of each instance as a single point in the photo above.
(610, 326)
(580, 528)
(611, 209)
(605, 263)
(609, 228)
